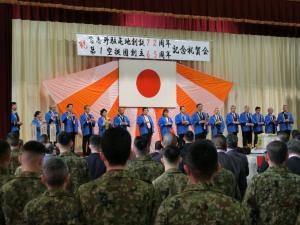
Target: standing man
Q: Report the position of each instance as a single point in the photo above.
(146, 125)
(285, 120)
(259, 122)
(201, 202)
(247, 126)
(216, 123)
(117, 197)
(37, 123)
(182, 121)
(232, 121)
(70, 123)
(56, 205)
(27, 185)
(87, 122)
(200, 122)
(15, 120)
(273, 197)
(271, 122)
(52, 117)
(121, 120)
(165, 123)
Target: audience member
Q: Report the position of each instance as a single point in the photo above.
(14, 142)
(56, 205)
(156, 155)
(172, 181)
(293, 162)
(273, 197)
(143, 166)
(5, 156)
(201, 202)
(24, 187)
(117, 197)
(76, 164)
(95, 165)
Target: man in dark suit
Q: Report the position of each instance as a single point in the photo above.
(188, 138)
(96, 166)
(156, 155)
(293, 163)
(232, 149)
(229, 162)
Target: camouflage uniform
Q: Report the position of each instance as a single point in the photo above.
(16, 193)
(170, 183)
(14, 161)
(5, 176)
(225, 181)
(201, 204)
(145, 168)
(53, 207)
(273, 197)
(118, 198)
(78, 170)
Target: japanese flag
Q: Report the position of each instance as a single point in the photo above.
(147, 83)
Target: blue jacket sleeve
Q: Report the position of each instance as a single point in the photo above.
(178, 120)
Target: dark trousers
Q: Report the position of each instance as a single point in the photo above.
(256, 137)
(247, 138)
(200, 136)
(73, 135)
(85, 144)
(148, 137)
(180, 140)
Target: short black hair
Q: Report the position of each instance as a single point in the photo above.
(158, 145)
(37, 113)
(202, 159)
(165, 110)
(55, 170)
(171, 154)
(116, 145)
(144, 108)
(4, 149)
(232, 141)
(95, 140)
(64, 138)
(44, 139)
(13, 103)
(181, 107)
(220, 141)
(102, 111)
(277, 151)
(70, 104)
(13, 140)
(199, 104)
(34, 147)
(257, 107)
(189, 136)
(294, 146)
(141, 144)
(283, 136)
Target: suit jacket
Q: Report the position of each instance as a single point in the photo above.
(156, 156)
(233, 164)
(244, 168)
(293, 164)
(95, 165)
(183, 152)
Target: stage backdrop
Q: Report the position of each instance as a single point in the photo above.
(265, 70)
(99, 87)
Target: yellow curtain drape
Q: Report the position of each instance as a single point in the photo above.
(265, 70)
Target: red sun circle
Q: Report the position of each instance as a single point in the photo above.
(148, 83)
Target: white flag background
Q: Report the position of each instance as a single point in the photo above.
(147, 83)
